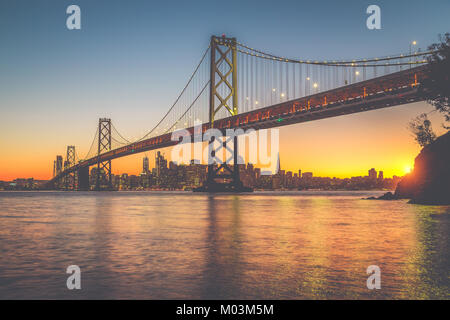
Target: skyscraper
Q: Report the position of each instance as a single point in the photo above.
(372, 174)
(278, 164)
(59, 164)
(145, 166)
(160, 164)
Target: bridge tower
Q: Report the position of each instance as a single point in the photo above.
(104, 145)
(70, 179)
(223, 96)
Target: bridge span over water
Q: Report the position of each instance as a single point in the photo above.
(241, 87)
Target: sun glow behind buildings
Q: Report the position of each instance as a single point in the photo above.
(407, 169)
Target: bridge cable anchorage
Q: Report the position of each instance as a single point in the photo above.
(265, 55)
(179, 96)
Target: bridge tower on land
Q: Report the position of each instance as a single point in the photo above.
(104, 145)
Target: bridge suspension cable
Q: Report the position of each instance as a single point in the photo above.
(188, 109)
(266, 79)
(179, 98)
(115, 131)
(90, 152)
(334, 62)
(356, 63)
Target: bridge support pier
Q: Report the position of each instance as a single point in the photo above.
(224, 177)
(83, 179)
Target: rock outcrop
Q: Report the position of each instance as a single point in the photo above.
(429, 182)
(387, 196)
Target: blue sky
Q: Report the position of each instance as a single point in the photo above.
(131, 58)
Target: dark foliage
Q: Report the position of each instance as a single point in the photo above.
(429, 182)
(421, 128)
(437, 86)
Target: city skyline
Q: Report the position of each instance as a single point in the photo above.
(152, 167)
(132, 165)
(187, 177)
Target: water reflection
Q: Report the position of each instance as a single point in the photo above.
(223, 260)
(321, 247)
(179, 245)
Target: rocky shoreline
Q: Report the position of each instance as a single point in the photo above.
(429, 182)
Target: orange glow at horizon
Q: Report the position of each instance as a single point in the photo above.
(340, 147)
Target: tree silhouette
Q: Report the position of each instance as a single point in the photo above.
(436, 88)
(421, 128)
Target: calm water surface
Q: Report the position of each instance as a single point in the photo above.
(149, 245)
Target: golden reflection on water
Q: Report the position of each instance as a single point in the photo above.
(323, 246)
(262, 245)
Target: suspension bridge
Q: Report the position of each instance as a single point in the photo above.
(236, 86)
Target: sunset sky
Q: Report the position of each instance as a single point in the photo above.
(131, 58)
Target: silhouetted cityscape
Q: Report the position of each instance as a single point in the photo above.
(171, 176)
